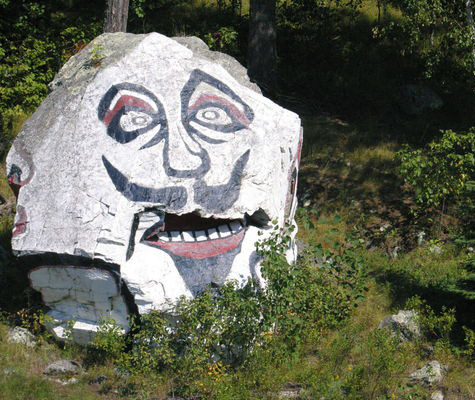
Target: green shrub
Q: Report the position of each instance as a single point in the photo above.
(442, 175)
(228, 327)
(439, 173)
(434, 326)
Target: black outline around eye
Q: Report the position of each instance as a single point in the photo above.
(114, 130)
(188, 116)
(233, 126)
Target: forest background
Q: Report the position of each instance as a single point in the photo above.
(387, 207)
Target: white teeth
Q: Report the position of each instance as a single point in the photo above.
(224, 230)
(175, 236)
(213, 233)
(188, 236)
(201, 236)
(164, 237)
(235, 226)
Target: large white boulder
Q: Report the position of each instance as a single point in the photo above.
(146, 175)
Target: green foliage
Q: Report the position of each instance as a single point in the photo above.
(230, 326)
(435, 34)
(470, 342)
(25, 72)
(224, 40)
(434, 326)
(36, 38)
(358, 363)
(441, 172)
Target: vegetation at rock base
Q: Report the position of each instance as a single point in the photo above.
(386, 212)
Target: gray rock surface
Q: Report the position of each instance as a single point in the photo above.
(63, 367)
(148, 174)
(404, 325)
(437, 395)
(21, 335)
(429, 375)
(291, 391)
(415, 100)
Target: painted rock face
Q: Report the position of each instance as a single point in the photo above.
(146, 175)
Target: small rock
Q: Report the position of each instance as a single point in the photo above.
(437, 395)
(435, 249)
(302, 245)
(64, 383)
(395, 252)
(63, 367)
(384, 227)
(421, 238)
(291, 391)
(403, 325)
(9, 371)
(21, 335)
(429, 375)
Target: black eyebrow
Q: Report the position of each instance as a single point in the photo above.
(106, 100)
(197, 76)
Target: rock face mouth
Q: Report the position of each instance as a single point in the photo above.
(192, 236)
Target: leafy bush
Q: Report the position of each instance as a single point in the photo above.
(434, 326)
(36, 38)
(435, 34)
(226, 327)
(442, 176)
(440, 172)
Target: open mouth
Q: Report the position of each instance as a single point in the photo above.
(190, 235)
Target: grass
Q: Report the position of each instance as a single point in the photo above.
(352, 361)
(348, 171)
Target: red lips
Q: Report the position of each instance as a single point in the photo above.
(200, 250)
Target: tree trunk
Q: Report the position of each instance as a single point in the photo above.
(261, 52)
(116, 16)
(471, 26)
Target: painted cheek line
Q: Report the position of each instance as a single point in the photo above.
(125, 101)
(235, 111)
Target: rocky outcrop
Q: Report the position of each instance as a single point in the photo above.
(430, 374)
(21, 335)
(404, 325)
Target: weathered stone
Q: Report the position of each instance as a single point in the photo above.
(437, 395)
(21, 335)
(404, 325)
(415, 100)
(291, 391)
(147, 175)
(63, 367)
(429, 375)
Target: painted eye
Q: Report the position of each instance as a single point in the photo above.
(213, 115)
(133, 120)
(129, 110)
(208, 103)
(217, 113)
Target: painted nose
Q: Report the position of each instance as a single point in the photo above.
(183, 156)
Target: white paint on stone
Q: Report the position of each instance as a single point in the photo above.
(90, 189)
(84, 296)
